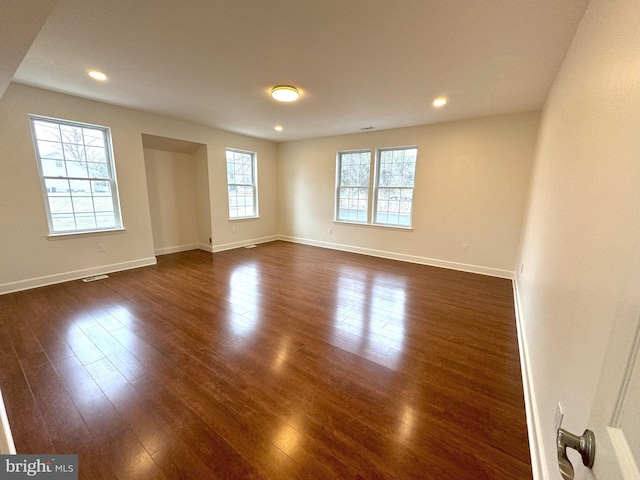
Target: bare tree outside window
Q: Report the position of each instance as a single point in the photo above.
(354, 172)
(242, 184)
(392, 198)
(394, 189)
(78, 175)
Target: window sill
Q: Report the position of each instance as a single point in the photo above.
(374, 225)
(92, 233)
(244, 219)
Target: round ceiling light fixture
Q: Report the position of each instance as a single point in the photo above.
(285, 93)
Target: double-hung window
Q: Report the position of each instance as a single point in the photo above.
(242, 184)
(390, 201)
(396, 175)
(353, 186)
(77, 174)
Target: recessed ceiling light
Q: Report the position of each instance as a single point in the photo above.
(96, 75)
(278, 128)
(440, 102)
(285, 93)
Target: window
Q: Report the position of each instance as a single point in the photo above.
(394, 182)
(353, 186)
(396, 170)
(77, 174)
(241, 181)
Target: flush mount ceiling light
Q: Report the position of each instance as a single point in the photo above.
(278, 128)
(285, 93)
(439, 102)
(96, 75)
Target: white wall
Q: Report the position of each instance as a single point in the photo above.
(472, 179)
(28, 258)
(203, 195)
(582, 228)
(173, 200)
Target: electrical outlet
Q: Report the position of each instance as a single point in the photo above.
(209, 239)
(557, 420)
(329, 230)
(521, 267)
(465, 247)
(102, 247)
(233, 229)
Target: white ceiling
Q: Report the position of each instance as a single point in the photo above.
(359, 63)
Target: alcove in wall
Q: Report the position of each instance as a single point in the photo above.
(178, 189)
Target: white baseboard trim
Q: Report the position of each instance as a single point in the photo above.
(244, 243)
(206, 247)
(536, 446)
(176, 249)
(492, 272)
(73, 275)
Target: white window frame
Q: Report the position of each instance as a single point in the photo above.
(98, 184)
(374, 189)
(253, 184)
(403, 188)
(340, 186)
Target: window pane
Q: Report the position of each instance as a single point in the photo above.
(96, 154)
(397, 168)
(80, 187)
(50, 150)
(71, 134)
(101, 189)
(57, 186)
(76, 169)
(74, 152)
(68, 154)
(353, 186)
(394, 206)
(396, 179)
(103, 204)
(85, 221)
(355, 168)
(93, 137)
(64, 222)
(82, 204)
(353, 204)
(98, 170)
(60, 204)
(53, 168)
(241, 184)
(47, 131)
(105, 219)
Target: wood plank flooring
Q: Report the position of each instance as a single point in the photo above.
(280, 362)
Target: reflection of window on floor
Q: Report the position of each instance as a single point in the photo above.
(244, 299)
(370, 315)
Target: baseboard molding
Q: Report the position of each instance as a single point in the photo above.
(73, 275)
(492, 272)
(206, 247)
(536, 446)
(243, 243)
(176, 249)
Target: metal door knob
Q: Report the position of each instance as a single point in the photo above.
(585, 445)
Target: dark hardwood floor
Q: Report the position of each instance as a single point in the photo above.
(280, 362)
